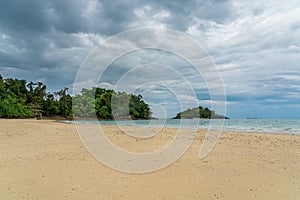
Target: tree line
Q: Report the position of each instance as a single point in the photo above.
(19, 99)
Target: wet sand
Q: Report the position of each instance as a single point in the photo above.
(46, 160)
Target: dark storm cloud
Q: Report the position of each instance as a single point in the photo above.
(183, 16)
(19, 16)
(105, 17)
(43, 37)
(35, 40)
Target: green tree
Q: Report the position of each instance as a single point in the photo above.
(84, 104)
(50, 106)
(65, 102)
(2, 87)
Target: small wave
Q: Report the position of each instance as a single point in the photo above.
(282, 126)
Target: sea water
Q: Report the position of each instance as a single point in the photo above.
(283, 126)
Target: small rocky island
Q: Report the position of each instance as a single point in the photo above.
(199, 112)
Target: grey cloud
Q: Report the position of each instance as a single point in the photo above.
(22, 16)
(253, 44)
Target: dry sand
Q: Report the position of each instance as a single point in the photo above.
(46, 160)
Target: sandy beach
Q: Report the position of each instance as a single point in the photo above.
(46, 160)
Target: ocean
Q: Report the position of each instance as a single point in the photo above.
(280, 126)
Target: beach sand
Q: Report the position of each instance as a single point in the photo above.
(46, 160)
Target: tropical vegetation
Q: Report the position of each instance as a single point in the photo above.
(19, 99)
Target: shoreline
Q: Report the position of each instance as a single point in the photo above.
(45, 159)
(200, 129)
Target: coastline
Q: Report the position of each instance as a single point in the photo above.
(166, 125)
(45, 159)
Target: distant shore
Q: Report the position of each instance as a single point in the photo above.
(43, 159)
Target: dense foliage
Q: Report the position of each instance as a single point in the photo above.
(108, 104)
(21, 99)
(198, 112)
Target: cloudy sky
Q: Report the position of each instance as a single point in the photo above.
(255, 46)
